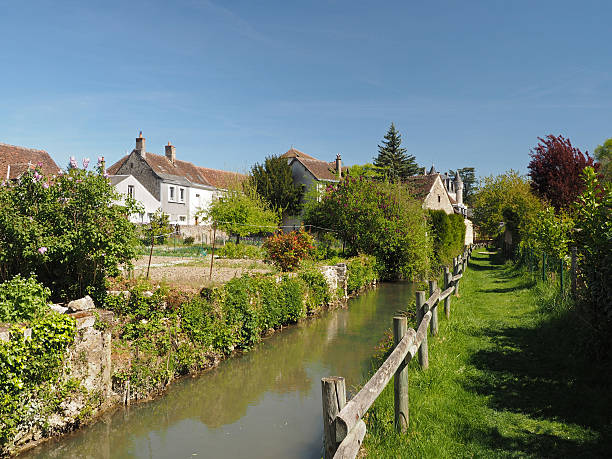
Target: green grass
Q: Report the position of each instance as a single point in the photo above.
(507, 378)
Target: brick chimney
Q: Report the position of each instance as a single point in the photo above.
(140, 145)
(339, 166)
(171, 152)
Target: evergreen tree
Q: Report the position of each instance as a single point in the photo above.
(392, 163)
(468, 178)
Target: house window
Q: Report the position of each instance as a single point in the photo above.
(182, 218)
(438, 198)
(131, 191)
(181, 194)
(172, 194)
(197, 195)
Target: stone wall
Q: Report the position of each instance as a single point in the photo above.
(89, 363)
(336, 277)
(437, 199)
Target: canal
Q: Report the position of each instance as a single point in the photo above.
(263, 404)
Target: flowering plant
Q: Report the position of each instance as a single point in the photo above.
(287, 250)
(66, 229)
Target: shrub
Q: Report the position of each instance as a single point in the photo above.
(287, 250)
(375, 218)
(232, 250)
(362, 270)
(188, 240)
(593, 218)
(68, 230)
(318, 289)
(22, 299)
(448, 233)
(28, 364)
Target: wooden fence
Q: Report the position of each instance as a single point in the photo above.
(343, 427)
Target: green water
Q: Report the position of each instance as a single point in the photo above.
(263, 404)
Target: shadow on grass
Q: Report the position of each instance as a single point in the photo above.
(525, 284)
(538, 372)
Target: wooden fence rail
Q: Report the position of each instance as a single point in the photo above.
(343, 427)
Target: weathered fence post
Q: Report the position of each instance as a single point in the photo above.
(561, 275)
(333, 392)
(433, 286)
(456, 283)
(447, 284)
(573, 273)
(400, 381)
(423, 353)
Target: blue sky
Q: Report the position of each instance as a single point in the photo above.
(467, 83)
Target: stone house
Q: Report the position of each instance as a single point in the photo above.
(14, 161)
(440, 192)
(308, 172)
(181, 187)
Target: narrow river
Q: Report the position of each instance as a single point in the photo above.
(263, 404)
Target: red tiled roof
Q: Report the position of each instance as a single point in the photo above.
(420, 185)
(20, 159)
(294, 153)
(222, 179)
(162, 166)
(112, 170)
(320, 169)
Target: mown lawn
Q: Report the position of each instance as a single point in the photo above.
(505, 380)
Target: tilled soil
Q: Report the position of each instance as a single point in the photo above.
(193, 273)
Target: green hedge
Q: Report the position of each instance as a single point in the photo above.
(448, 235)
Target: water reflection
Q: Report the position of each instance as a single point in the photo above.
(265, 403)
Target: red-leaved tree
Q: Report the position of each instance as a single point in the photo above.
(555, 170)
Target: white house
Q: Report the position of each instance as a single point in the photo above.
(180, 187)
(128, 185)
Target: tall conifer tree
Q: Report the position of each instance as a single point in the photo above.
(392, 163)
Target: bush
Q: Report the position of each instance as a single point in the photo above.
(67, 230)
(375, 218)
(593, 219)
(28, 364)
(232, 250)
(362, 271)
(448, 233)
(22, 299)
(318, 290)
(287, 250)
(188, 240)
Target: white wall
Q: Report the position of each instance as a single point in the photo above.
(199, 198)
(141, 194)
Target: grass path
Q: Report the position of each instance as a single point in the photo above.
(505, 380)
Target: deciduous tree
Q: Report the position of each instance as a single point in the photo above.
(555, 170)
(603, 154)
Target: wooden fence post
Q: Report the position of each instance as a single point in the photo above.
(455, 272)
(423, 353)
(433, 286)
(400, 381)
(573, 273)
(447, 284)
(333, 392)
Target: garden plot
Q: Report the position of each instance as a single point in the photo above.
(193, 273)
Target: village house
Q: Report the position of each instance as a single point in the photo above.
(308, 172)
(180, 187)
(14, 161)
(440, 192)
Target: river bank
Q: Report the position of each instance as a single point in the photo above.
(159, 337)
(263, 403)
(504, 380)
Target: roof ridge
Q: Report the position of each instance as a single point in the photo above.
(22, 148)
